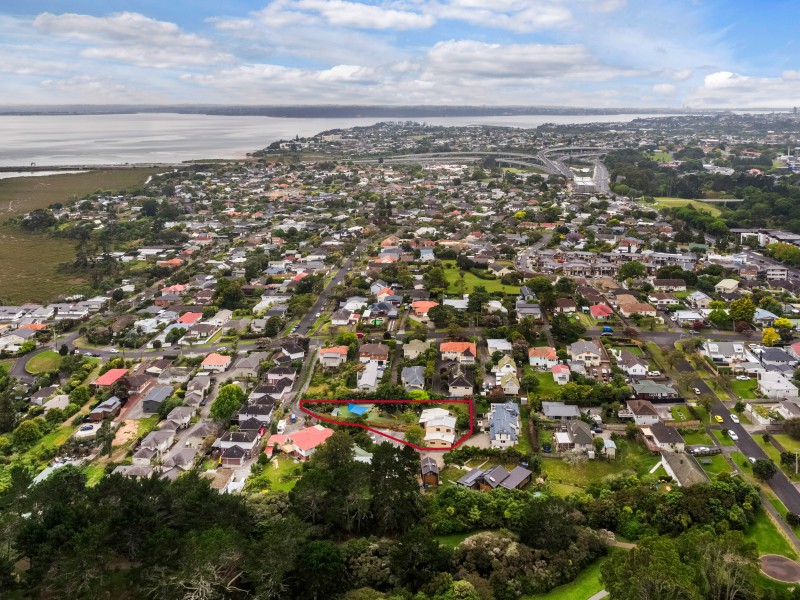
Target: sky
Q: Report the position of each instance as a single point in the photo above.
(588, 53)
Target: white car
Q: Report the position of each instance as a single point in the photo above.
(114, 351)
(654, 373)
(733, 435)
(696, 391)
(742, 378)
(751, 459)
(735, 419)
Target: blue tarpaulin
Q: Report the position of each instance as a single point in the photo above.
(357, 409)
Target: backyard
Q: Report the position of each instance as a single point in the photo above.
(548, 388)
(471, 281)
(746, 390)
(631, 458)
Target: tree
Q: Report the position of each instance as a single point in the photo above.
(228, 401)
(435, 278)
(26, 434)
(105, 437)
(273, 326)
(228, 294)
(770, 337)
(651, 570)
(566, 330)
(80, 395)
(764, 469)
(631, 270)
(785, 328)
(63, 350)
(396, 504)
(742, 309)
(415, 435)
(598, 445)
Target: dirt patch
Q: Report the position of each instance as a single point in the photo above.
(780, 568)
(126, 433)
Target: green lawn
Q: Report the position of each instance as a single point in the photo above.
(146, 425)
(663, 202)
(772, 452)
(746, 390)
(547, 385)
(635, 350)
(681, 413)
(564, 489)
(767, 537)
(787, 442)
(631, 458)
(697, 438)
(44, 362)
(285, 476)
(585, 585)
(724, 440)
(471, 281)
(452, 541)
(661, 156)
(718, 464)
(94, 473)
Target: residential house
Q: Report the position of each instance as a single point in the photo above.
(510, 384)
(504, 366)
(159, 441)
(601, 312)
(341, 317)
(499, 345)
(293, 351)
(560, 411)
(374, 353)
(413, 378)
(368, 377)
(575, 436)
(669, 285)
(420, 309)
(698, 300)
(504, 424)
(663, 437)
(246, 440)
(662, 300)
(561, 374)
(460, 383)
(414, 348)
(687, 318)
(301, 444)
(216, 362)
(107, 409)
(542, 357)
(629, 309)
(655, 392)
(644, 413)
(462, 352)
(429, 472)
(776, 385)
(764, 318)
(489, 479)
(439, 426)
(777, 357)
(110, 377)
(565, 305)
(633, 366)
(726, 286)
(334, 357)
(585, 351)
(155, 397)
(724, 353)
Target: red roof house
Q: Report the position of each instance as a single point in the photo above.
(110, 377)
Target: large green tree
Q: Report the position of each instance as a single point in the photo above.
(228, 401)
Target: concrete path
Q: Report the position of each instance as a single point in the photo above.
(599, 595)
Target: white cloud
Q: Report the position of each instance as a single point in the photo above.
(367, 16)
(521, 16)
(132, 38)
(730, 89)
(666, 89)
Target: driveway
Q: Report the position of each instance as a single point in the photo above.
(479, 440)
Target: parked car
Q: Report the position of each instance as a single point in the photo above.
(114, 351)
(742, 378)
(696, 391)
(735, 419)
(718, 419)
(87, 427)
(751, 459)
(654, 373)
(734, 436)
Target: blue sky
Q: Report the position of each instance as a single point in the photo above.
(628, 53)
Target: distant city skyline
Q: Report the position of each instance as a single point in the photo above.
(591, 53)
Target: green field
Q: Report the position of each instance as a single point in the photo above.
(44, 362)
(41, 280)
(746, 390)
(766, 536)
(661, 156)
(789, 444)
(547, 385)
(717, 464)
(724, 440)
(698, 204)
(471, 281)
(584, 586)
(20, 195)
(631, 458)
(698, 438)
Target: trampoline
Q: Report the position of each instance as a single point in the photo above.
(358, 409)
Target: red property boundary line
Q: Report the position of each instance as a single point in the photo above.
(459, 441)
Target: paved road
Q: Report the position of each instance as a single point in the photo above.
(601, 177)
(308, 320)
(780, 484)
(522, 259)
